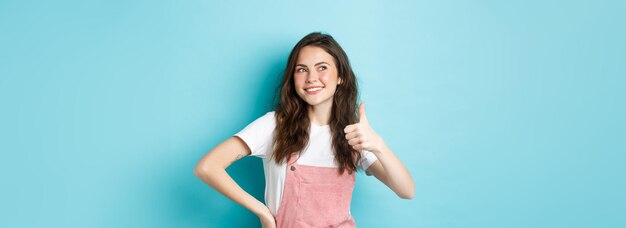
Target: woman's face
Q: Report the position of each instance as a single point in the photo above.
(315, 76)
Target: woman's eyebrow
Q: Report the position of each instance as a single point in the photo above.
(302, 65)
(321, 63)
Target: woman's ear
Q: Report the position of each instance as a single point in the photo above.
(340, 81)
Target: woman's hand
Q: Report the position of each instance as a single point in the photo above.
(267, 219)
(361, 136)
(388, 168)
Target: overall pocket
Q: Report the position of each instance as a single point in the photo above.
(322, 205)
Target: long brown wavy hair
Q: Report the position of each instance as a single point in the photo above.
(292, 121)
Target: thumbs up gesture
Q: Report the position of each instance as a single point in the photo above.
(361, 136)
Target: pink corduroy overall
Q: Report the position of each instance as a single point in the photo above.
(315, 197)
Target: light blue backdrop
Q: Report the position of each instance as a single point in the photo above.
(507, 114)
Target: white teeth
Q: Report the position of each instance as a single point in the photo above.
(314, 89)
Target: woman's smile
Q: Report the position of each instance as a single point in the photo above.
(313, 90)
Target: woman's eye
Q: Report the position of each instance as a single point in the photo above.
(322, 68)
(300, 70)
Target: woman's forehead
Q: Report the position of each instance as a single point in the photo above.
(311, 55)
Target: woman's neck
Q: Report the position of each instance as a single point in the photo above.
(320, 114)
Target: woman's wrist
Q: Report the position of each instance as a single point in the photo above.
(381, 148)
(260, 209)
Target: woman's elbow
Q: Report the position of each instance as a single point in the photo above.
(197, 171)
(200, 170)
(407, 194)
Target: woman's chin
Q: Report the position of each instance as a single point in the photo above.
(316, 102)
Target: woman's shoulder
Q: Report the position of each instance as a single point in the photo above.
(267, 120)
(270, 113)
(269, 116)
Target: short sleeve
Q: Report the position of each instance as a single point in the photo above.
(258, 135)
(367, 158)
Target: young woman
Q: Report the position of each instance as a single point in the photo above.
(311, 145)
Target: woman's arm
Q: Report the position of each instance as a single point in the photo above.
(212, 170)
(388, 169)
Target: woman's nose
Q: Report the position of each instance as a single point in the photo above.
(312, 77)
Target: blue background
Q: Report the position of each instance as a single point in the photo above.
(507, 114)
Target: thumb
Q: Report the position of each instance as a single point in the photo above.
(362, 117)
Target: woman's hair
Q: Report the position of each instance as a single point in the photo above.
(292, 121)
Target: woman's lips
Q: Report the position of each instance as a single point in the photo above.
(314, 90)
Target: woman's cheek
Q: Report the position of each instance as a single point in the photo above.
(323, 77)
(298, 80)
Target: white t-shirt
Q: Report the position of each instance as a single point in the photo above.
(259, 137)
